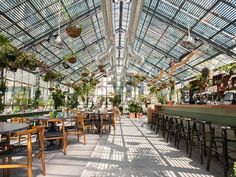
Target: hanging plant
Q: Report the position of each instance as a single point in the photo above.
(52, 76)
(72, 58)
(73, 31)
(65, 65)
(101, 66)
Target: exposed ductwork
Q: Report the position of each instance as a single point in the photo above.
(106, 7)
(136, 8)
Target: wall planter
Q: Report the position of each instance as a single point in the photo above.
(73, 31)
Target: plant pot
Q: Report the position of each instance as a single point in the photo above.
(102, 70)
(71, 59)
(73, 31)
(84, 74)
(11, 58)
(131, 115)
(13, 68)
(50, 88)
(100, 67)
(65, 65)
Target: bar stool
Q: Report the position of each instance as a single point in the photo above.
(154, 117)
(181, 132)
(221, 142)
(172, 128)
(159, 124)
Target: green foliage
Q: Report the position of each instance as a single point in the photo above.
(229, 68)
(3, 89)
(116, 100)
(21, 100)
(134, 107)
(145, 99)
(72, 101)
(36, 98)
(58, 97)
(161, 99)
(52, 76)
(154, 90)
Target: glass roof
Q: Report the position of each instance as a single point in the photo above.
(161, 29)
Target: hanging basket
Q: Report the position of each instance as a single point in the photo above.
(102, 70)
(50, 88)
(101, 67)
(73, 31)
(84, 74)
(72, 59)
(65, 65)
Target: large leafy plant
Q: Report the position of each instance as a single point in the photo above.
(58, 97)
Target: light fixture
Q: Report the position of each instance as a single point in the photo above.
(57, 42)
(188, 42)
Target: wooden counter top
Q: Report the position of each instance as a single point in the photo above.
(220, 114)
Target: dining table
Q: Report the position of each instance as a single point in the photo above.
(7, 128)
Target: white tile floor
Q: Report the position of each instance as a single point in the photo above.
(133, 151)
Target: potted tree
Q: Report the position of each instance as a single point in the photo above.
(135, 109)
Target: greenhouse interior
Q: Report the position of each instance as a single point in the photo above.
(147, 86)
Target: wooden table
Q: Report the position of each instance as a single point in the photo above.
(8, 128)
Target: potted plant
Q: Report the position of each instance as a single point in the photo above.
(85, 73)
(58, 97)
(74, 31)
(135, 109)
(72, 101)
(36, 98)
(52, 76)
(72, 58)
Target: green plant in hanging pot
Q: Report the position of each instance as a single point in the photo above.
(71, 58)
(74, 31)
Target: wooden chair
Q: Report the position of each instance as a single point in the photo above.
(18, 120)
(107, 120)
(23, 150)
(58, 132)
(77, 128)
(88, 122)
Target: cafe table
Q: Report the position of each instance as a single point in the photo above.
(8, 128)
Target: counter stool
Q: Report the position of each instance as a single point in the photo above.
(187, 132)
(198, 137)
(172, 128)
(160, 123)
(154, 117)
(225, 152)
(181, 133)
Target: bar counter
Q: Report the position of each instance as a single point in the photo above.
(219, 114)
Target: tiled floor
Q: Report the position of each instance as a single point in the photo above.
(134, 150)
